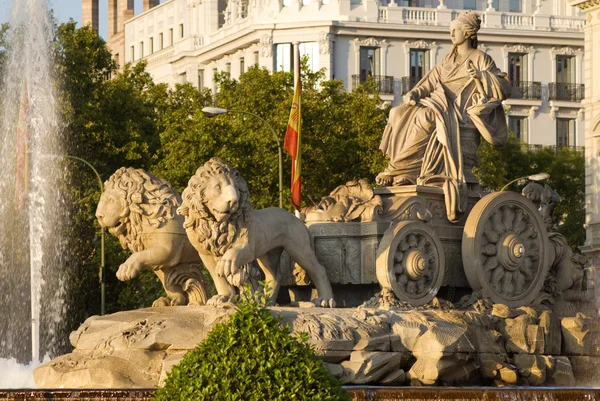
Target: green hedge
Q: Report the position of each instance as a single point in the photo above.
(251, 356)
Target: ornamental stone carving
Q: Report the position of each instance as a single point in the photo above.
(266, 46)
(354, 201)
(324, 43)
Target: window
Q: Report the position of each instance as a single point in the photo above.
(565, 132)
(228, 68)
(180, 30)
(161, 42)
(151, 45)
(242, 66)
(565, 69)
(369, 61)
(200, 80)
(182, 78)
(517, 68)
(310, 49)
(132, 53)
(469, 5)
(141, 49)
(519, 127)
(256, 58)
(419, 64)
(479, 5)
(284, 57)
(514, 6)
(171, 37)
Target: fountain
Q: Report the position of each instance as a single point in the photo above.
(499, 334)
(32, 206)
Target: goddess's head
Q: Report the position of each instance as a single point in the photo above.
(464, 28)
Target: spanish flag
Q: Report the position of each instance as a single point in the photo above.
(292, 139)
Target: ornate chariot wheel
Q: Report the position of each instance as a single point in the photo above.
(504, 249)
(411, 261)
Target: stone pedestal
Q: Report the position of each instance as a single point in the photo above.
(494, 346)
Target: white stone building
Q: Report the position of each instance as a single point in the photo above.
(540, 43)
(592, 132)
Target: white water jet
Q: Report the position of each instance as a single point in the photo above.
(32, 207)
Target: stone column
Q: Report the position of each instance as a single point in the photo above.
(89, 13)
(592, 129)
(112, 17)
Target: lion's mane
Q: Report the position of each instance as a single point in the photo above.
(147, 200)
(215, 237)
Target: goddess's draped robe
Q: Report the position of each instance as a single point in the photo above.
(423, 140)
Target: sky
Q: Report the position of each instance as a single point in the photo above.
(66, 9)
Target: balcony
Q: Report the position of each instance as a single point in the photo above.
(568, 92)
(526, 90)
(408, 83)
(380, 83)
(553, 148)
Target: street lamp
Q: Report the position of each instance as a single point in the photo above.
(535, 177)
(211, 112)
(102, 272)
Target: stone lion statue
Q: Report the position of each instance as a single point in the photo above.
(140, 210)
(229, 234)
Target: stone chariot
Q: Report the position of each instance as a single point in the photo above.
(400, 238)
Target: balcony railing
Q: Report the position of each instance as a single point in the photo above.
(383, 84)
(526, 90)
(408, 83)
(554, 148)
(568, 92)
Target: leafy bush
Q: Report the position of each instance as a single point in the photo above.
(251, 357)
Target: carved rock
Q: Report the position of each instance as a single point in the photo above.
(354, 201)
(532, 368)
(368, 367)
(580, 335)
(359, 346)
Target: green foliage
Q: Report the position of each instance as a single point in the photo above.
(498, 166)
(251, 357)
(340, 133)
(110, 123)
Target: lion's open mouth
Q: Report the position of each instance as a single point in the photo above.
(117, 228)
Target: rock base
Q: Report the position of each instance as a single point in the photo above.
(496, 346)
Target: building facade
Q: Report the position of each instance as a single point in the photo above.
(540, 44)
(591, 8)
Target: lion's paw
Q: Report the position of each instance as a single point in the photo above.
(162, 301)
(220, 301)
(324, 302)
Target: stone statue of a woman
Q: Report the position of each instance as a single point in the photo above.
(422, 138)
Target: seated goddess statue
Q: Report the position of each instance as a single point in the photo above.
(423, 135)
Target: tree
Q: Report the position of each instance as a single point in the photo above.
(340, 133)
(566, 167)
(110, 123)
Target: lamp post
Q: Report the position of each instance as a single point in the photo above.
(211, 112)
(535, 177)
(102, 272)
